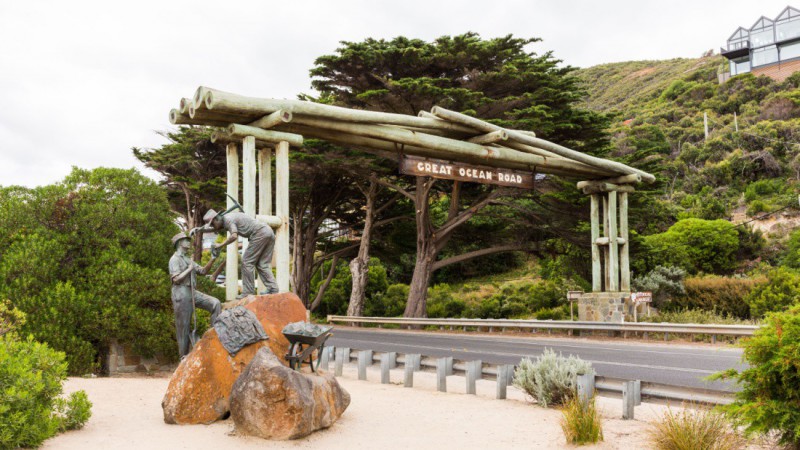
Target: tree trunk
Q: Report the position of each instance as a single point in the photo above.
(426, 251)
(359, 266)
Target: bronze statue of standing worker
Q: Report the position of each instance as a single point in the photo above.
(185, 297)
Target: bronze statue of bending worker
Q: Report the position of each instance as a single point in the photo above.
(257, 257)
(184, 295)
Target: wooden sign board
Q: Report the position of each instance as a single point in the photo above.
(437, 168)
(574, 295)
(642, 297)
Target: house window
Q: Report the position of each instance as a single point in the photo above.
(788, 30)
(766, 55)
(740, 66)
(790, 51)
(760, 38)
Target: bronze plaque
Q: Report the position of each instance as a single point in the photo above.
(437, 168)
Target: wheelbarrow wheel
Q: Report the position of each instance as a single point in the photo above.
(295, 351)
(315, 365)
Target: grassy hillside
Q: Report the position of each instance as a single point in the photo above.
(657, 109)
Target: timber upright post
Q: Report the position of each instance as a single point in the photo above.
(232, 251)
(248, 180)
(611, 280)
(282, 211)
(264, 192)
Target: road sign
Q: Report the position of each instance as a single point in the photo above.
(574, 295)
(437, 168)
(642, 297)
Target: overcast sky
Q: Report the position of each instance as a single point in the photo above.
(82, 82)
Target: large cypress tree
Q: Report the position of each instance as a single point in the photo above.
(494, 79)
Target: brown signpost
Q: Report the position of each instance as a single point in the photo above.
(437, 168)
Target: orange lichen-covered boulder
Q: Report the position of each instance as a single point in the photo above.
(271, 401)
(200, 387)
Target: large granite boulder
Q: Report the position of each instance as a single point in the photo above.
(199, 388)
(272, 401)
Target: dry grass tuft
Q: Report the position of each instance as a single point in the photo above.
(695, 429)
(581, 424)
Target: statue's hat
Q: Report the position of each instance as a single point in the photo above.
(178, 237)
(210, 214)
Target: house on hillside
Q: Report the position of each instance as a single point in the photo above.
(770, 47)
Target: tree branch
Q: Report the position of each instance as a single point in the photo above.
(324, 286)
(483, 252)
(391, 186)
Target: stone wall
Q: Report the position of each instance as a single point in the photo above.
(605, 307)
(121, 359)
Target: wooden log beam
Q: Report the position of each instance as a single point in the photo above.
(605, 241)
(176, 118)
(232, 103)
(523, 138)
(489, 138)
(626, 179)
(270, 120)
(240, 131)
(606, 187)
(184, 105)
(455, 148)
(222, 137)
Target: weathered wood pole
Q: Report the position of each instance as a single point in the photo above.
(282, 210)
(265, 192)
(232, 252)
(624, 255)
(248, 180)
(606, 253)
(613, 245)
(594, 213)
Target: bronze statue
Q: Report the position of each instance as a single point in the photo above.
(185, 298)
(257, 257)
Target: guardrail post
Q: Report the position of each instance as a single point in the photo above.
(628, 399)
(441, 375)
(502, 381)
(713, 338)
(511, 369)
(324, 356)
(385, 365)
(449, 362)
(408, 372)
(637, 392)
(666, 336)
(392, 359)
(474, 370)
(584, 383)
(364, 359)
(342, 355)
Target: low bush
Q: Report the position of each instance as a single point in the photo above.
(550, 379)
(663, 282)
(770, 395)
(694, 316)
(723, 295)
(31, 409)
(581, 423)
(780, 292)
(701, 429)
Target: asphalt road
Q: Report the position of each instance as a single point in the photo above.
(669, 364)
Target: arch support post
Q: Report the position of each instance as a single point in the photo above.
(282, 256)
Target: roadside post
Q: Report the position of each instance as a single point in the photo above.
(572, 296)
(641, 297)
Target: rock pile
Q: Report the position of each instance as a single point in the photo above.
(264, 397)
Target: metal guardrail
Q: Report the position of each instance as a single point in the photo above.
(487, 371)
(502, 324)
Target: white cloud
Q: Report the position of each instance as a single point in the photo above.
(82, 82)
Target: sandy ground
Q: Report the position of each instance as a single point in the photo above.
(127, 415)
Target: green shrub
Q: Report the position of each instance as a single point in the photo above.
(663, 282)
(694, 430)
(694, 316)
(696, 245)
(550, 379)
(791, 258)
(781, 291)
(581, 423)
(722, 295)
(767, 402)
(31, 411)
(10, 318)
(391, 303)
(556, 313)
